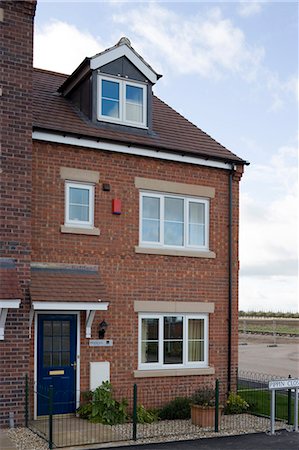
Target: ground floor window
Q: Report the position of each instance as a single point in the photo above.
(173, 340)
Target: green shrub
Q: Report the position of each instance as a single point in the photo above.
(146, 415)
(235, 404)
(179, 408)
(102, 408)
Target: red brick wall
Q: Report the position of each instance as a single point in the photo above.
(15, 193)
(129, 276)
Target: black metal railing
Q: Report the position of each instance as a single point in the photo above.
(142, 413)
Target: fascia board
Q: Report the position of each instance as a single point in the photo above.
(70, 306)
(13, 303)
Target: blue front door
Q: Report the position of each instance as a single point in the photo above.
(56, 362)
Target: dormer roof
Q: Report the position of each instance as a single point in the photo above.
(123, 48)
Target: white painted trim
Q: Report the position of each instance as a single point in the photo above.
(78, 357)
(3, 315)
(31, 317)
(122, 102)
(89, 224)
(123, 50)
(67, 306)
(185, 364)
(127, 149)
(13, 303)
(89, 319)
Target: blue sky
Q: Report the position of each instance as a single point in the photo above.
(232, 69)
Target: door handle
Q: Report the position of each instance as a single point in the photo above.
(74, 365)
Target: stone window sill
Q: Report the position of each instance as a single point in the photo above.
(176, 252)
(77, 230)
(173, 372)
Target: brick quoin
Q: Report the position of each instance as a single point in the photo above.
(16, 34)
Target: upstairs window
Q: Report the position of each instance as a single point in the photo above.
(79, 204)
(173, 221)
(122, 101)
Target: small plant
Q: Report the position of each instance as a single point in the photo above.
(102, 408)
(146, 415)
(176, 409)
(235, 404)
(204, 397)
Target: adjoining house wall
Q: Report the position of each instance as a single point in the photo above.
(16, 35)
(129, 276)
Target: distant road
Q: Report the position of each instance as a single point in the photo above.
(258, 356)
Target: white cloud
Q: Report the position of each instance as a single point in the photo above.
(248, 8)
(208, 45)
(269, 233)
(61, 47)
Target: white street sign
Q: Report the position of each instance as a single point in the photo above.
(289, 383)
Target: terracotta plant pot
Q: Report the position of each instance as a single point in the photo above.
(203, 416)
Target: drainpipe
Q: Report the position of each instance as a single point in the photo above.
(230, 273)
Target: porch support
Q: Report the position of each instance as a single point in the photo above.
(89, 319)
(4, 305)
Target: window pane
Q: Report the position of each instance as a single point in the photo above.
(65, 358)
(196, 328)
(56, 359)
(196, 235)
(110, 108)
(134, 94)
(195, 351)
(79, 213)
(174, 209)
(173, 233)
(65, 328)
(110, 90)
(173, 327)
(56, 328)
(79, 196)
(134, 113)
(65, 343)
(151, 230)
(149, 329)
(173, 352)
(196, 213)
(47, 328)
(150, 208)
(57, 344)
(47, 344)
(47, 359)
(149, 352)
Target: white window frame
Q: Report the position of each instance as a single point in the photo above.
(122, 102)
(187, 201)
(186, 364)
(79, 223)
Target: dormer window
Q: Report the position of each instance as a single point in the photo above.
(122, 101)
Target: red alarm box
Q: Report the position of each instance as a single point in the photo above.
(116, 206)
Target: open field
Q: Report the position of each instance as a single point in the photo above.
(269, 325)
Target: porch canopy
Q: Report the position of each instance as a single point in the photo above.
(10, 290)
(67, 287)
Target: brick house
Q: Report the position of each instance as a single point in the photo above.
(119, 230)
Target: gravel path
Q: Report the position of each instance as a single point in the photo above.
(160, 431)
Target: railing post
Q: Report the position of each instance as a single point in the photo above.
(135, 412)
(289, 405)
(26, 400)
(51, 417)
(217, 406)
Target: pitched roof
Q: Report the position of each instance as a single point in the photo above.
(66, 283)
(9, 281)
(171, 131)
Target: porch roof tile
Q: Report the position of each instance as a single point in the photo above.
(66, 283)
(10, 288)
